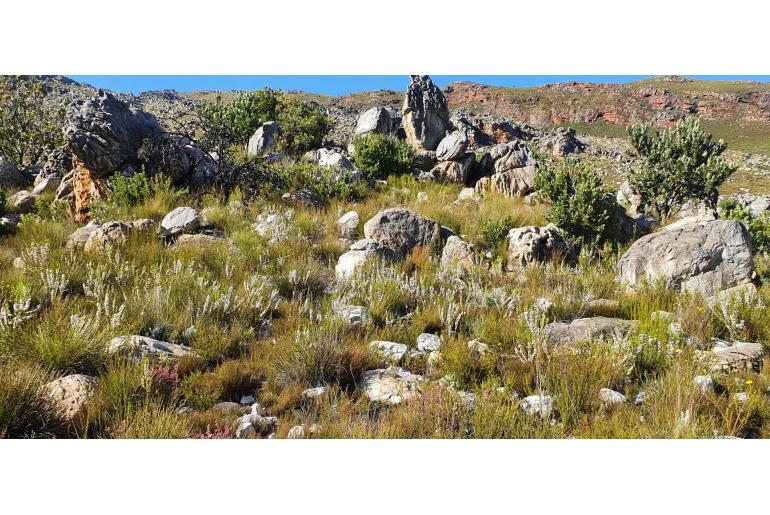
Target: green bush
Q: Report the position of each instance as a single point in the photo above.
(379, 156)
(131, 191)
(29, 126)
(759, 228)
(677, 164)
(492, 232)
(24, 410)
(241, 117)
(302, 125)
(579, 204)
(326, 182)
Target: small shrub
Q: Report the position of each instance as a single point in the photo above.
(759, 227)
(326, 182)
(24, 410)
(380, 156)
(494, 231)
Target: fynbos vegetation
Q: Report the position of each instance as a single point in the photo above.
(258, 265)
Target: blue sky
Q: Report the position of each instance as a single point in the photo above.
(339, 84)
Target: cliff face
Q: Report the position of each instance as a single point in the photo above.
(618, 104)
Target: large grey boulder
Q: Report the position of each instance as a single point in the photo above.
(78, 239)
(22, 201)
(332, 158)
(46, 184)
(403, 230)
(106, 235)
(180, 220)
(360, 252)
(105, 134)
(392, 351)
(263, 140)
(425, 113)
(693, 254)
(10, 176)
(452, 147)
(534, 244)
(375, 120)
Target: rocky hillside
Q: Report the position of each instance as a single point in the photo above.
(737, 111)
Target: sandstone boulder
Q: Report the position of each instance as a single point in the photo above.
(108, 234)
(508, 156)
(517, 182)
(360, 252)
(71, 394)
(347, 225)
(693, 255)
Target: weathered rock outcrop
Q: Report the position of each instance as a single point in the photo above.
(390, 386)
(534, 244)
(561, 142)
(138, 347)
(737, 357)
(517, 182)
(105, 134)
(692, 254)
(425, 114)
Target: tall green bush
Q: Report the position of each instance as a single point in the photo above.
(238, 119)
(302, 126)
(29, 126)
(677, 164)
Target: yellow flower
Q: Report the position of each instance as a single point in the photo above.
(678, 351)
(749, 381)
